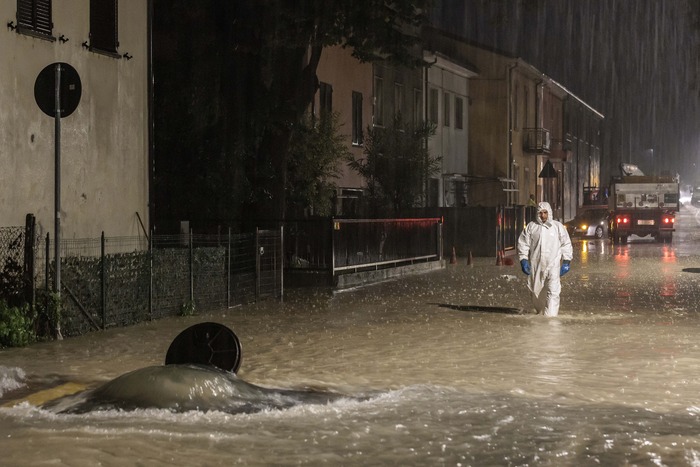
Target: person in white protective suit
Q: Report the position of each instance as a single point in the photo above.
(545, 252)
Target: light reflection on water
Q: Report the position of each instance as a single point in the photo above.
(612, 381)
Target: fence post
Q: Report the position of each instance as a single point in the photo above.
(228, 270)
(103, 273)
(281, 265)
(46, 266)
(191, 271)
(440, 245)
(257, 264)
(29, 259)
(332, 233)
(150, 276)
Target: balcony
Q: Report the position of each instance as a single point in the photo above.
(536, 140)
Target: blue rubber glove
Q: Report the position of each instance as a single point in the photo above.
(525, 266)
(565, 267)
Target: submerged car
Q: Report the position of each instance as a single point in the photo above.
(589, 223)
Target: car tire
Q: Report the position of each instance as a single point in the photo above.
(598, 232)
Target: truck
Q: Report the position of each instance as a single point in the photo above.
(642, 205)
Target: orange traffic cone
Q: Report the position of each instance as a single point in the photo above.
(499, 258)
(469, 258)
(453, 259)
(507, 260)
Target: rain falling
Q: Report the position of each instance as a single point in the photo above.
(636, 62)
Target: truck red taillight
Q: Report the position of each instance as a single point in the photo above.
(622, 220)
(668, 220)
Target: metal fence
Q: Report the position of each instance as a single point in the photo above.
(117, 281)
(376, 243)
(13, 279)
(341, 246)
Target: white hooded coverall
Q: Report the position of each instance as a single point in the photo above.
(544, 245)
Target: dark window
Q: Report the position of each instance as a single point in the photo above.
(326, 100)
(417, 107)
(34, 16)
(446, 108)
(103, 25)
(460, 193)
(433, 106)
(433, 192)
(357, 118)
(398, 100)
(378, 101)
(459, 113)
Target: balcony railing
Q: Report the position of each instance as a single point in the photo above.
(536, 140)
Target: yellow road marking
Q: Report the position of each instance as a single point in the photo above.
(46, 395)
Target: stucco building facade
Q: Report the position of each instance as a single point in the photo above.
(104, 149)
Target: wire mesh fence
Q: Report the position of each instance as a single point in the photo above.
(12, 251)
(118, 281)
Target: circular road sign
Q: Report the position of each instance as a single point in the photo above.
(45, 90)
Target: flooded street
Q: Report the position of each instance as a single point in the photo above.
(440, 368)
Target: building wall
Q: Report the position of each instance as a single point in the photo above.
(449, 81)
(346, 74)
(526, 114)
(507, 98)
(104, 145)
(582, 129)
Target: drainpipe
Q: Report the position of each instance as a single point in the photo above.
(510, 129)
(425, 119)
(539, 125)
(151, 118)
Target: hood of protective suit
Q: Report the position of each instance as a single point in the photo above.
(544, 206)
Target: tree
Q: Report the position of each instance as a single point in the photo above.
(233, 79)
(316, 148)
(397, 165)
(274, 50)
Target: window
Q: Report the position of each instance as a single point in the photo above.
(325, 100)
(446, 109)
(103, 26)
(378, 101)
(459, 113)
(398, 100)
(417, 107)
(433, 192)
(460, 193)
(514, 116)
(433, 106)
(357, 138)
(34, 17)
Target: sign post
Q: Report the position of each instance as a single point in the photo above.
(57, 92)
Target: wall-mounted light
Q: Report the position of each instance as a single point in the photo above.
(127, 56)
(63, 39)
(11, 26)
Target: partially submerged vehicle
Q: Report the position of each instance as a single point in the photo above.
(199, 374)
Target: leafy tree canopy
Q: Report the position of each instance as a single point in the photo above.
(276, 46)
(397, 165)
(317, 147)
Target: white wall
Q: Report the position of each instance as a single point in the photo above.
(104, 144)
(449, 142)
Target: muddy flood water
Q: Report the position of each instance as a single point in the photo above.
(444, 368)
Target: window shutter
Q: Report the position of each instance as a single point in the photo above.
(35, 15)
(103, 25)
